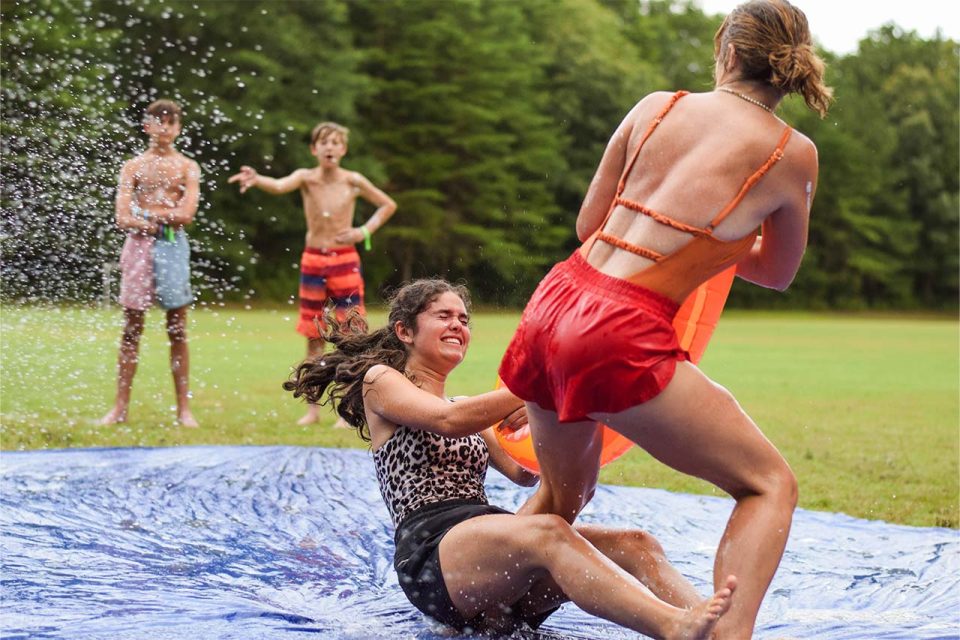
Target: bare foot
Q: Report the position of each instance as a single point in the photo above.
(312, 416)
(698, 623)
(116, 415)
(341, 424)
(186, 419)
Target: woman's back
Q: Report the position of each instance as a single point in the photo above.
(684, 167)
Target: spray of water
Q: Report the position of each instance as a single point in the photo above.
(77, 77)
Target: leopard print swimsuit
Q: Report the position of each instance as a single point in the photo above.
(416, 468)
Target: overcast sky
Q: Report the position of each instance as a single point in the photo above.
(839, 25)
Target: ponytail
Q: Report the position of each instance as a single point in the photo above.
(798, 69)
(773, 44)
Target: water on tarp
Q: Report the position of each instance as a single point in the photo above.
(283, 542)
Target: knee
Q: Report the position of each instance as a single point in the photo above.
(634, 545)
(778, 483)
(781, 483)
(566, 501)
(131, 333)
(176, 332)
(549, 532)
(788, 486)
(640, 543)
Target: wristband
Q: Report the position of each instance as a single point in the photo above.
(366, 237)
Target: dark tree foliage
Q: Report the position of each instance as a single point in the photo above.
(459, 119)
(55, 131)
(485, 120)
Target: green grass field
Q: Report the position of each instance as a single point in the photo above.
(864, 408)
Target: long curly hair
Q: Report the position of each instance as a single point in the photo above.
(336, 377)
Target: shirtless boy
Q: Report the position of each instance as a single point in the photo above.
(157, 197)
(330, 265)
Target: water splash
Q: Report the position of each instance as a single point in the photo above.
(77, 76)
(249, 542)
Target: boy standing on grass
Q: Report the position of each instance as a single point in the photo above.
(157, 197)
(330, 265)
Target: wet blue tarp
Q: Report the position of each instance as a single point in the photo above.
(286, 542)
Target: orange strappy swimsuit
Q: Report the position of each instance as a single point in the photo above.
(677, 274)
(592, 343)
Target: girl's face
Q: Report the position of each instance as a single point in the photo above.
(443, 331)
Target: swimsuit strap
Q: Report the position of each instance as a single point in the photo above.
(650, 129)
(659, 217)
(588, 244)
(620, 243)
(752, 180)
(707, 231)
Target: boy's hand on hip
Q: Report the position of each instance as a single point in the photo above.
(349, 236)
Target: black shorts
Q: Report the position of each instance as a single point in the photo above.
(417, 561)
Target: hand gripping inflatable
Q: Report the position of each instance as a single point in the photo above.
(694, 324)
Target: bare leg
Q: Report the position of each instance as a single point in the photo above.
(633, 550)
(314, 348)
(126, 365)
(517, 552)
(641, 555)
(180, 364)
(569, 458)
(697, 427)
(570, 466)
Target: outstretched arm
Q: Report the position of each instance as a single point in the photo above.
(390, 395)
(248, 177)
(385, 210)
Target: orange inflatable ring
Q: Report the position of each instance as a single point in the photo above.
(694, 324)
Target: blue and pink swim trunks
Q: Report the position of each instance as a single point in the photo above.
(155, 271)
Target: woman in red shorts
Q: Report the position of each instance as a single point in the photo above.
(459, 559)
(683, 187)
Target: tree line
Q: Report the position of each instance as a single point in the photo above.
(484, 119)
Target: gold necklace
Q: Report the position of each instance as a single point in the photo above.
(747, 98)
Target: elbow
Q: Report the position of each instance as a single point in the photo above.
(770, 273)
(449, 427)
(782, 286)
(779, 282)
(582, 233)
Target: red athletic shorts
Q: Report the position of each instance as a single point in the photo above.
(328, 276)
(589, 342)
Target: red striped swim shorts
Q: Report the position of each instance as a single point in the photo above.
(328, 276)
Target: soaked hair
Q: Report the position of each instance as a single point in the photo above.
(324, 129)
(773, 43)
(163, 110)
(339, 374)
